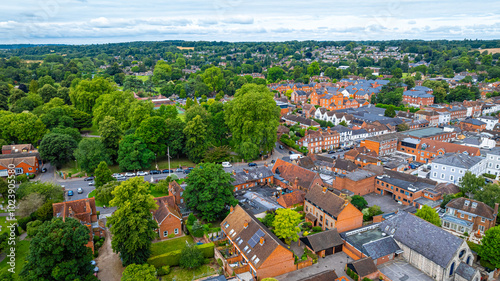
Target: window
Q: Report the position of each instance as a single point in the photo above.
(453, 169)
(227, 225)
(461, 215)
(30, 169)
(176, 231)
(451, 178)
(435, 174)
(481, 228)
(444, 168)
(483, 220)
(165, 233)
(442, 176)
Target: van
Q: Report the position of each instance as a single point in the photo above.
(295, 156)
(226, 165)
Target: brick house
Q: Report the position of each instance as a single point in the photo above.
(364, 268)
(299, 96)
(472, 125)
(288, 175)
(425, 150)
(256, 249)
(292, 199)
(24, 157)
(343, 166)
(252, 177)
(168, 217)
(468, 215)
(318, 141)
(417, 98)
(84, 210)
(176, 190)
(431, 116)
(328, 210)
(359, 182)
(304, 123)
(382, 144)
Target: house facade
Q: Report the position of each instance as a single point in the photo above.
(493, 162)
(451, 167)
(19, 159)
(318, 141)
(168, 217)
(326, 209)
(468, 215)
(382, 144)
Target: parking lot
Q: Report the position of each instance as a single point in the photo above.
(386, 203)
(336, 262)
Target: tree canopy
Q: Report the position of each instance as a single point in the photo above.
(429, 214)
(286, 224)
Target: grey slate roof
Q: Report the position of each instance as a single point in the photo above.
(381, 247)
(253, 174)
(417, 94)
(423, 237)
(465, 270)
(474, 122)
(495, 151)
(458, 160)
(323, 240)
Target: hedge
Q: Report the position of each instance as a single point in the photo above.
(489, 176)
(172, 258)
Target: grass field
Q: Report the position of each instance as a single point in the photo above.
(185, 48)
(180, 274)
(143, 78)
(170, 245)
(22, 249)
(92, 130)
(174, 163)
(491, 50)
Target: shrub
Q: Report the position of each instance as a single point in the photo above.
(489, 176)
(197, 229)
(207, 249)
(171, 235)
(317, 229)
(22, 178)
(299, 209)
(191, 219)
(23, 222)
(219, 262)
(32, 228)
(96, 253)
(305, 233)
(164, 270)
(191, 257)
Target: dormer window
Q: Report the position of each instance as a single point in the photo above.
(466, 202)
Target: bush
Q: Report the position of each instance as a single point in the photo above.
(164, 270)
(317, 229)
(197, 230)
(207, 249)
(23, 222)
(31, 176)
(305, 233)
(299, 209)
(170, 259)
(191, 219)
(489, 176)
(191, 257)
(96, 253)
(22, 178)
(32, 228)
(171, 235)
(219, 262)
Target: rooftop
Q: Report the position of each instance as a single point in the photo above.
(424, 132)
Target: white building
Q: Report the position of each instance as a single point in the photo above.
(489, 120)
(493, 162)
(451, 167)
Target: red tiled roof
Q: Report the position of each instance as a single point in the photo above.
(290, 199)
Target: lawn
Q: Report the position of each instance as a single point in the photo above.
(4, 223)
(22, 249)
(180, 274)
(99, 204)
(174, 163)
(92, 194)
(92, 130)
(144, 78)
(170, 245)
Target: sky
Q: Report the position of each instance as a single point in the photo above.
(109, 21)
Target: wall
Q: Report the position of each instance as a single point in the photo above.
(280, 261)
(170, 224)
(361, 187)
(349, 218)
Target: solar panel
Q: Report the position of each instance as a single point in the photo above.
(255, 238)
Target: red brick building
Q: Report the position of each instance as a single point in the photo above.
(252, 177)
(382, 144)
(176, 190)
(288, 175)
(417, 98)
(292, 199)
(425, 150)
(23, 157)
(476, 216)
(83, 210)
(318, 141)
(254, 247)
(328, 210)
(168, 217)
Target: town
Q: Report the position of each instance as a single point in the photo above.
(251, 161)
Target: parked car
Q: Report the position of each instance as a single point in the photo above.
(70, 192)
(281, 146)
(115, 175)
(166, 171)
(180, 170)
(190, 168)
(331, 152)
(290, 152)
(91, 183)
(154, 172)
(273, 161)
(79, 190)
(88, 179)
(226, 165)
(129, 174)
(44, 170)
(120, 178)
(252, 164)
(142, 173)
(187, 171)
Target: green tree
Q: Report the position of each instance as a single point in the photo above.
(90, 153)
(139, 111)
(253, 119)
(286, 225)
(174, 135)
(196, 139)
(49, 190)
(397, 72)
(133, 154)
(47, 92)
(85, 94)
(429, 214)
(191, 257)
(102, 174)
(57, 149)
(402, 127)
(214, 79)
(470, 183)
(59, 252)
(116, 104)
(111, 134)
(490, 248)
(343, 123)
(313, 69)
(33, 86)
(167, 111)
(132, 240)
(162, 72)
(358, 202)
(275, 74)
(410, 82)
(153, 131)
(72, 132)
(390, 112)
(136, 272)
(489, 194)
(21, 128)
(104, 193)
(4, 188)
(209, 191)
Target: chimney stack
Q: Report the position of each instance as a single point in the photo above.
(261, 242)
(245, 225)
(245, 170)
(234, 172)
(496, 208)
(324, 189)
(296, 183)
(231, 210)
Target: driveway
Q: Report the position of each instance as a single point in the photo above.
(401, 270)
(109, 263)
(336, 262)
(386, 203)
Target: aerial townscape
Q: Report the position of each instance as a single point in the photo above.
(262, 159)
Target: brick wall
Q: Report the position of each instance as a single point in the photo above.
(280, 261)
(170, 224)
(361, 187)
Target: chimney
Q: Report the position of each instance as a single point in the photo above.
(261, 242)
(234, 172)
(496, 209)
(231, 210)
(265, 165)
(245, 170)
(324, 189)
(296, 183)
(305, 134)
(245, 225)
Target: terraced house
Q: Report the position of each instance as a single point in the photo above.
(320, 140)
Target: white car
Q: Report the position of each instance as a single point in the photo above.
(226, 165)
(130, 174)
(116, 175)
(141, 173)
(120, 178)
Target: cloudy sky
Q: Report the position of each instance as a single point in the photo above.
(105, 21)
